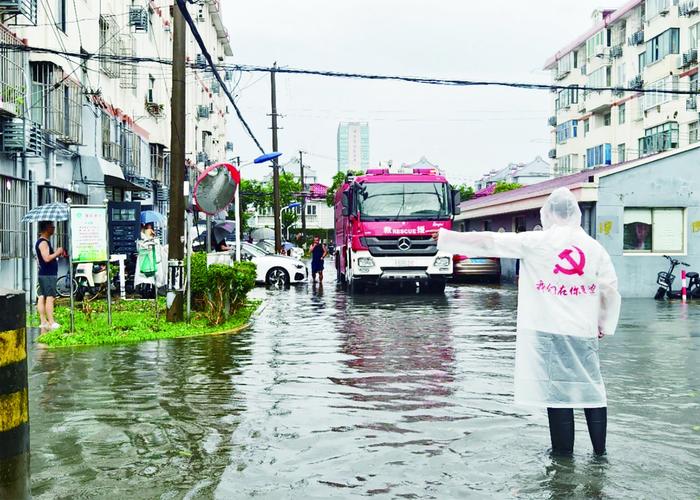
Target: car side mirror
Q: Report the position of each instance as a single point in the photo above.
(346, 203)
(456, 200)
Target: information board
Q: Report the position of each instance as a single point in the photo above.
(88, 234)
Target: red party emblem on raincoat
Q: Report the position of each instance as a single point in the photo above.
(572, 266)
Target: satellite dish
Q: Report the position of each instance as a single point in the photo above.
(216, 188)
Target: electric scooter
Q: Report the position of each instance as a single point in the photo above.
(665, 281)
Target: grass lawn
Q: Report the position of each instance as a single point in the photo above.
(133, 321)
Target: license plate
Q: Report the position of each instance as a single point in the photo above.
(405, 262)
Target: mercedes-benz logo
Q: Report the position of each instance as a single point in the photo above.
(404, 244)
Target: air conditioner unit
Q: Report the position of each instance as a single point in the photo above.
(215, 88)
(616, 51)
(691, 104)
(552, 121)
(203, 112)
(552, 153)
(229, 146)
(138, 18)
(681, 61)
(690, 57)
(636, 82)
(200, 60)
(26, 8)
(20, 136)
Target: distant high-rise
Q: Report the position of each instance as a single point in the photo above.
(353, 146)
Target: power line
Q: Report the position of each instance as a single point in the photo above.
(198, 37)
(347, 75)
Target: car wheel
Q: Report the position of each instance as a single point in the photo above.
(277, 277)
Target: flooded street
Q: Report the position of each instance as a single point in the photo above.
(394, 396)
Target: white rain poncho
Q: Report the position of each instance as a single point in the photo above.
(567, 295)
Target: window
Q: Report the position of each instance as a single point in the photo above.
(597, 40)
(586, 127)
(519, 224)
(109, 46)
(566, 130)
(311, 209)
(56, 102)
(60, 17)
(567, 164)
(661, 46)
(654, 230)
(606, 119)
(693, 132)
(621, 150)
(642, 59)
(655, 7)
(659, 138)
(567, 97)
(599, 155)
(600, 77)
(621, 109)
(694, 32)
(158, 165)
(14, 204)
(621, 75)
(652, 99)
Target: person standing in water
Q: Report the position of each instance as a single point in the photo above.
(318, 253)
(567, 301)
(47, 258)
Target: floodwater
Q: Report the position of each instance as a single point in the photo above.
(389, 396)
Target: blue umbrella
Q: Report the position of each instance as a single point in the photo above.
(153, 217)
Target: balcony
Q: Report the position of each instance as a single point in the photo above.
(598, 100)
(26, 8)
(12, 76)
(112, 151)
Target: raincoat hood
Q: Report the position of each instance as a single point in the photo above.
(560, 209)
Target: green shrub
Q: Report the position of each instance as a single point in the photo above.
(219, 289)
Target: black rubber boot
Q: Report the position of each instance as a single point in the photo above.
(597, 420)
(561, 430)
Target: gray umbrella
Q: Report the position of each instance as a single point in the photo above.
(50, 211)
(263, 233)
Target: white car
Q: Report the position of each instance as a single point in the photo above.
(275, 270)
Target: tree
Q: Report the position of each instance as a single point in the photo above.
(338, 181)
(502, 187)
(465, 192)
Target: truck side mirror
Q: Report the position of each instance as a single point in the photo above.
(456, 200)
(346, 203)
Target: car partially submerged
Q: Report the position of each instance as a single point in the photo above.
(487, 268)
(272, 270)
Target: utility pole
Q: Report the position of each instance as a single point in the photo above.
(176, 218)
(303, 194)
(275, 164)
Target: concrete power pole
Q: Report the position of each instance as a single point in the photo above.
(275, 164)
(303, 193)
(176, 218)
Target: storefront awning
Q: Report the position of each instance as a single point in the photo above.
(95, 170)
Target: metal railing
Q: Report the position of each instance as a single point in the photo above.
(13, 92)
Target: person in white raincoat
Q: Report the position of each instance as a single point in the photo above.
(567, 300)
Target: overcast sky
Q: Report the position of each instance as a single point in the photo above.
(466, 131)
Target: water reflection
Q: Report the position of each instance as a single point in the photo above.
(331, 395)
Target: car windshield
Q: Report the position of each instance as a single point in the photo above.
(403, 201)
(254, 251)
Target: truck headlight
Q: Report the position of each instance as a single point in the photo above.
(365, 262)
(442, 262)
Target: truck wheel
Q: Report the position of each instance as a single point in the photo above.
(356, 287)
(436, 286)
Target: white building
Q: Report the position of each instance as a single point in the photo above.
(645, 44)
(533, 172)
(96, 128)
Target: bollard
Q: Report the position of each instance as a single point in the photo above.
(684, 289)
(14, 402)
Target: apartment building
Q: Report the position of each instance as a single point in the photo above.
(644, 44)
(89, 127)
(353, 146)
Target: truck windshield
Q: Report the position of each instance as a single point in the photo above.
(403, 201)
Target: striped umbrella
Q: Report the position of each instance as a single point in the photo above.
(50, 211)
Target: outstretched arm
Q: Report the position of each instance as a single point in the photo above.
(482, 244)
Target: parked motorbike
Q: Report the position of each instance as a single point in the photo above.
(91, 279)
(665, 281)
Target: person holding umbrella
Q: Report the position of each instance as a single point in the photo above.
(47, 258)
